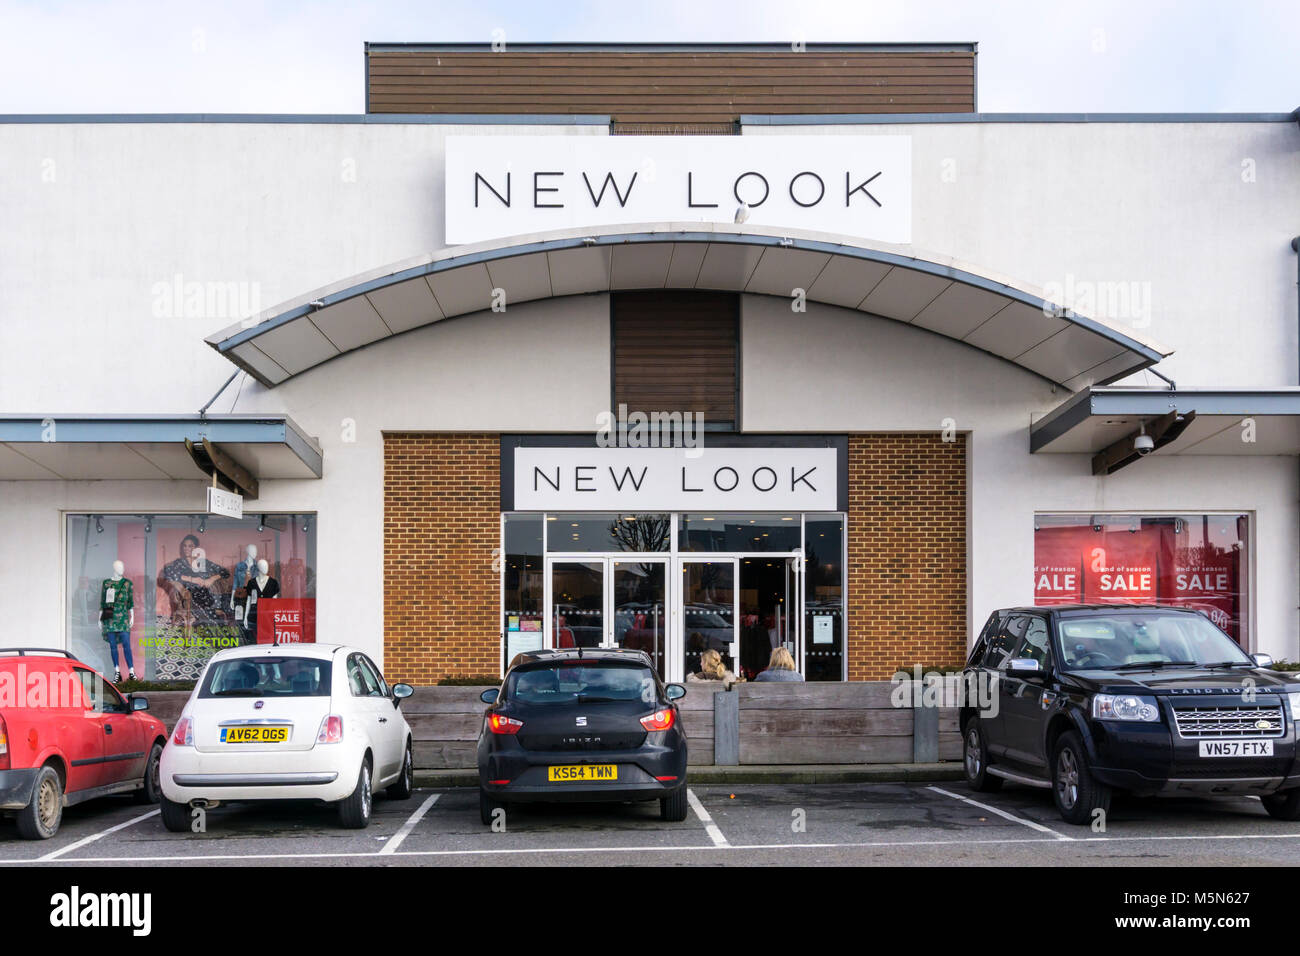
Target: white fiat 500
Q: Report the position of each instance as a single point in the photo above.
(288, 722)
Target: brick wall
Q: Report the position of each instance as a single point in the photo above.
(442, 514)
(906, 553)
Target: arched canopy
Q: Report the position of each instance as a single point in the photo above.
(985, 313)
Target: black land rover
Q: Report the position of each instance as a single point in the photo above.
(1087, 699)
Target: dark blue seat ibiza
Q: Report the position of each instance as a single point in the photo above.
(583, 725)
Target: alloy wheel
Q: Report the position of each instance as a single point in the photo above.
(1067, 778)
(973, 763)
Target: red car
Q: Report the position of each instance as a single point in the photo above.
(66, 736)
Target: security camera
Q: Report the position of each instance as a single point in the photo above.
(1143, 443)
(742, 213)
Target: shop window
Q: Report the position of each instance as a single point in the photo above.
(522, 585)
(1186, 560)
(824, 598)
(637, 533)
(738, 533)
(189, 586)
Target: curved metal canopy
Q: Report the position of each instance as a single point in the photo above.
(984, 313)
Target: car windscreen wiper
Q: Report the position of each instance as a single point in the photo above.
(1229, 664)
(1152, 665)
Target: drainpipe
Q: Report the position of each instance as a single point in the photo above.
(1295, 245)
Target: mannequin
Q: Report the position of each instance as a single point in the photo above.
(262, 585)
(117, 617)
(243, 571)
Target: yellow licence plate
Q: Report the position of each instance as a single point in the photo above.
(582, 772)
(254, 735)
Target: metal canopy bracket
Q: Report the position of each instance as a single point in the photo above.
(1162, 430)
(221, 467)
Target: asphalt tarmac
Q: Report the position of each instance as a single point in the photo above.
(909, 824)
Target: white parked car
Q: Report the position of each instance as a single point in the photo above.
(288, 722)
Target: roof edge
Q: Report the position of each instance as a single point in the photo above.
(939, 46)
(853, 119)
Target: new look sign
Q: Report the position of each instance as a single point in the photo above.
(499, 186)
(675, 479)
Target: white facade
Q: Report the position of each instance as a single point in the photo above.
(104, 219)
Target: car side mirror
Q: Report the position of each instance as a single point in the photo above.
(142, 703)
(674, 691)
(489, 696)
(401, 692)
(1024, 666)
(1262, 660)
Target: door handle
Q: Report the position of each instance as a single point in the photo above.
(108, 728)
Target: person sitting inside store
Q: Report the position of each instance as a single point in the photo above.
(780, 667)
(712, 668)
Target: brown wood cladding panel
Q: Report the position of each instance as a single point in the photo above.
(676, 351)
(701, 87)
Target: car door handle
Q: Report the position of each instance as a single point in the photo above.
(108, 728)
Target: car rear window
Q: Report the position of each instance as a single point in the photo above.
(268, 677)
(581, 682)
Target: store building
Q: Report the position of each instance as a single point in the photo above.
(677, 347)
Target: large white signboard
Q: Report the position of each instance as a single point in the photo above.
(675, 479)
(499, 186)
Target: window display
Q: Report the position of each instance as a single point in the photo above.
(155, 596)
(521, 572)
(1196, 561)
(824, 597)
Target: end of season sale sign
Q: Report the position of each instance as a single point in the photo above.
(1186, 561)
(286, 621)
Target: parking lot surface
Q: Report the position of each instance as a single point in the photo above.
(942, 824)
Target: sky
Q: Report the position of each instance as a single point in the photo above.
(276, 56)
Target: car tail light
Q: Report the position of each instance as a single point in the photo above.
(504, 725)
(331, 730)
(660, 719)
(4, 745)
(183, 735)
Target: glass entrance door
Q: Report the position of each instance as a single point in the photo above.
(575, 603)
(610, 602)
(706, 612)
(770, 602)
(639, 606)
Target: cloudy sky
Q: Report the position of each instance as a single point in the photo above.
(147, 56)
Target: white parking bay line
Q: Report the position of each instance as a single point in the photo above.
(93, 837)
(529, 851)
(710, 827)
(1002, 813)
(392, 845)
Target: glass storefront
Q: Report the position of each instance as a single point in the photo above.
(1198, 561)
(676, 585)
(188, 585)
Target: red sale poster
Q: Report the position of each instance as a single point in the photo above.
(286, 621)
(1202, 578)
(1120, 567)
(1192, 561)
(1058, 571)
